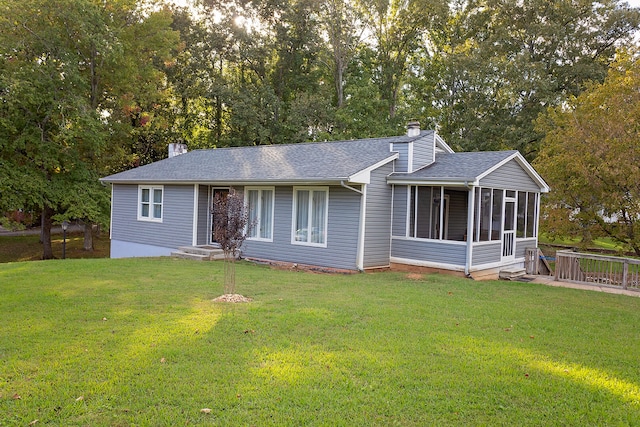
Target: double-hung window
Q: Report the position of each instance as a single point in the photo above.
(310, 215)
(150, 203)
(259, 202)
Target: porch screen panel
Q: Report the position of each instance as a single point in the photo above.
(422, 209)
(423, 220)
(476, 215)
(266, 214)
(522, 214)
(531, 214)
(485, 215)
(496, 214)
(302, 216)
(412, 211)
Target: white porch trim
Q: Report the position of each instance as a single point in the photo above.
(420, 263)
(364, 176)
(496, 264)
(471, 196)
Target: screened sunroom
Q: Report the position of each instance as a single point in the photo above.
(471, 224)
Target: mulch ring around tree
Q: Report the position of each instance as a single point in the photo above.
(235, 298)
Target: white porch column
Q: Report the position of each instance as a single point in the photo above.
(471, 197)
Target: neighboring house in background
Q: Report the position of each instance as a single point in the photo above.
(354, 205)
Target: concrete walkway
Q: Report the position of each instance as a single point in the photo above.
(548, 280)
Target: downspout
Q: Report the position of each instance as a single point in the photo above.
(537, 224)
(470, 231)
(111, 216)
(196, 202)
(363, 212)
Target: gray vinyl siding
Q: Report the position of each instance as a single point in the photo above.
(399, 226)
(176, 228)
(423, 152)
(203, 215)
(342, 233)
(487, 254)
(458, 201)
(429, 251)
(378, 219)
(522, 245)
(402, 163)
(510, 176)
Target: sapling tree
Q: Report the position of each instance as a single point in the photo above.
(230, 219)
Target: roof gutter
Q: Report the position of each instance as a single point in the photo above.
(454, 182)
(330, 181)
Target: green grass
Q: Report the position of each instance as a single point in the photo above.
(139, 342)
(28, 248)
(606, 243)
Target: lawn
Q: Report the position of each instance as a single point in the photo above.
(28, 248)
(139, 342)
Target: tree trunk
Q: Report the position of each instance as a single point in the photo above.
(229, 272)
(339, 84)
(42, 228)
(47, 250)
(88, 236)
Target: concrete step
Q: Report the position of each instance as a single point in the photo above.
(512, 273)
(187, 255)
(209, 251)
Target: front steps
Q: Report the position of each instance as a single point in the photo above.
(199, 253)
(512, 273)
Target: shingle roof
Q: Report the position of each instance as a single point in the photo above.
(457, 167)
(305, 162)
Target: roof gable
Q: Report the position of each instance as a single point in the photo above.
(466, 168)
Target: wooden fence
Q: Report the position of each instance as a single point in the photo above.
(535, 263)
(597, 270)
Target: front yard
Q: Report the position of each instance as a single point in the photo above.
(139, 342)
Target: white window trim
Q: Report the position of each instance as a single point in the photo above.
(151, 189)
(293, 217)
(259, 215)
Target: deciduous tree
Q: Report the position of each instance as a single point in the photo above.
(500, 63)
(229, 230)
(591, 159)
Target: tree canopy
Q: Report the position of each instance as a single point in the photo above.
(71, 73)
(591, 159)
(89, 88)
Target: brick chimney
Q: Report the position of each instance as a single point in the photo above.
(413, 128)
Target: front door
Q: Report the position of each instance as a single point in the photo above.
(509, 230)
(215, 192)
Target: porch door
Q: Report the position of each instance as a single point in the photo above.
(509, 229)
(220, 192)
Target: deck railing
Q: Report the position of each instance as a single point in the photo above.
(597, 270)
